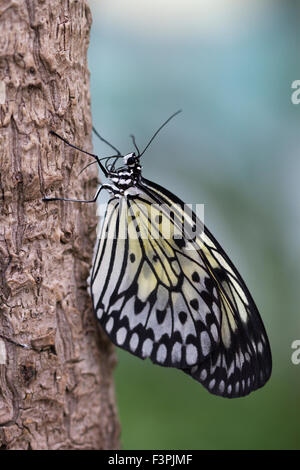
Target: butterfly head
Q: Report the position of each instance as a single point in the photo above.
(126, 175)
(131, 160)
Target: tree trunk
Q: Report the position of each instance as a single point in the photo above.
(59, 392)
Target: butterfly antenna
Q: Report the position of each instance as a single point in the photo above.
(134, 143)
(158, 130)
(105, 141)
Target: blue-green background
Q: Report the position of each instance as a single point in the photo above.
(236, 148)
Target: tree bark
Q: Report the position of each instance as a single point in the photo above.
(59, 392)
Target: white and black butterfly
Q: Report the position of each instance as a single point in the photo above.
(172, 295)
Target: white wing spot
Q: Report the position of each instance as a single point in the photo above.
(134, 341)
(147, 347)
(214, 332)
(237, 360)
(161, 353)
(231, 369)
(216, 311)
(205, 343)
(242, 359)
(100, 312)
(203, 374)
(121, 335)
(176, 352)
(191, 354)
(109, 325)
(212, 384)
(222, 386)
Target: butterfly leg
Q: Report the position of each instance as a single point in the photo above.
(104, 186)
(80, 150)
(21, 345)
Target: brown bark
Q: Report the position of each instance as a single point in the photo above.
(59, 394)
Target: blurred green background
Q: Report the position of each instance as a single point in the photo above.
(229, 65)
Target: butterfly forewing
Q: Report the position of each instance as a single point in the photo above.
(146, 301)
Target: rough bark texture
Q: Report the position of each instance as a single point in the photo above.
(59, 394)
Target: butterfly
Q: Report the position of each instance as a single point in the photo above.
(163, 288)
